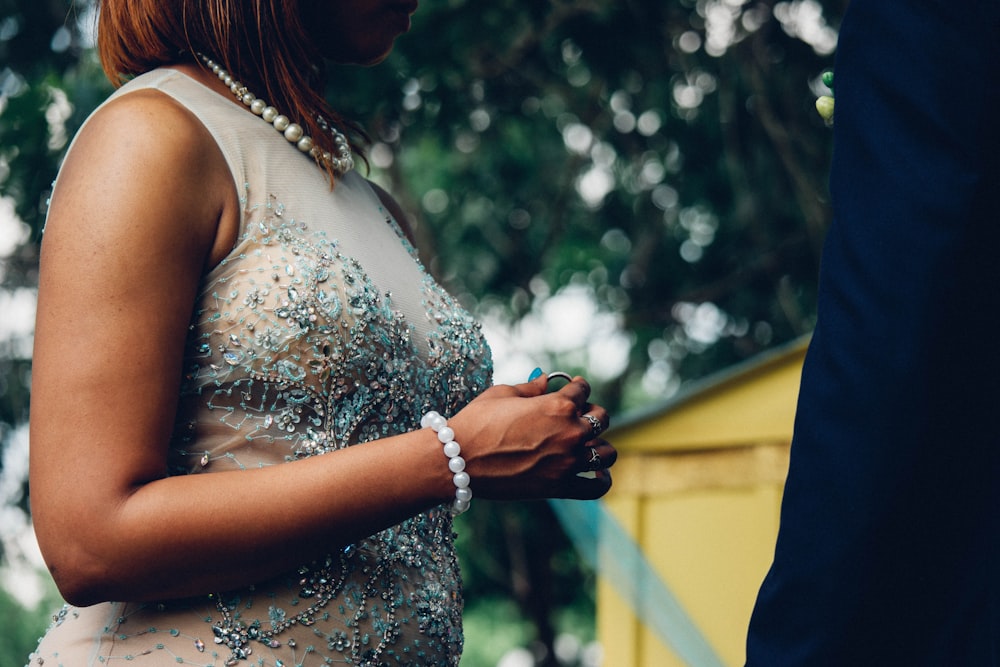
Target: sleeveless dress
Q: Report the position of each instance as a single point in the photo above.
(319, 331)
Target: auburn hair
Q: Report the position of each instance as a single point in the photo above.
(262, 42)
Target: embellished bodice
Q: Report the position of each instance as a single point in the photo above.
(294, 350)
(319, 331)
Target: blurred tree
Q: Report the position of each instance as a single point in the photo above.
(658, 165)
(664, 158)
(49, 81)
(22, 628)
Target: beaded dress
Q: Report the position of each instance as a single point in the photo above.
(319, 331)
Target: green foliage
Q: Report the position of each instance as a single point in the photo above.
(21, 628)
(49, 82)
(493, 627)
(496, 626)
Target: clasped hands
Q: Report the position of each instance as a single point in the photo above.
(533, 440)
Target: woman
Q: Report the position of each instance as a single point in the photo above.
(236, 451)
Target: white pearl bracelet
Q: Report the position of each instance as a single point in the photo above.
(456, 464)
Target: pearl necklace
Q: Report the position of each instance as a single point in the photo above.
(341, 163)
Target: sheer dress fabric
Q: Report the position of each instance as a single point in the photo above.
(319, 331)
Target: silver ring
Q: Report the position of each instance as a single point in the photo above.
(560, 374)
(595, 424)
(594, 463)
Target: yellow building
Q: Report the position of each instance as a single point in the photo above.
(698, 487)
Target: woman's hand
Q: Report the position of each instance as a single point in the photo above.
(522, 442)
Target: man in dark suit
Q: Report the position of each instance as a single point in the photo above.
(890, 523)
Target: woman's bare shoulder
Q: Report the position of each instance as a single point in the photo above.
(144, 156)
(142, 128)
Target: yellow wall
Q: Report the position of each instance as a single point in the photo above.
(698, 486)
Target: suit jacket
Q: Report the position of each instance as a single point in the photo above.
(887, 552)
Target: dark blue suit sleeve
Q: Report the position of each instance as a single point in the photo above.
(887, 552)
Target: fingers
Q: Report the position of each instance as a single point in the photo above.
(596, 420)
(555, 378)
(549, 447)
(597, 455)
(587, 486)
(592, 460)
(576, 391)
(593, 418)
(594, 480)
(536, 385)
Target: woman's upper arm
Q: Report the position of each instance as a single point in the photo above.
(134, 220)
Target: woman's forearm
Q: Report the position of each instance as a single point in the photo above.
(195, 534)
